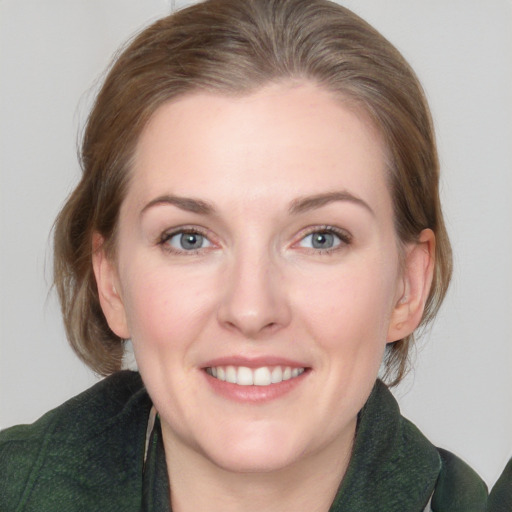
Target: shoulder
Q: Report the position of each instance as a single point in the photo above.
(74, 448)
(395, 467)
(458, 487)
(500, 499)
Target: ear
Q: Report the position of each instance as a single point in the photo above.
(418, 272)
(108, 285)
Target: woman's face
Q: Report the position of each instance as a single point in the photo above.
(257, 273)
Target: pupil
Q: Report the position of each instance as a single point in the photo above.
(323, 240)
(191, 241)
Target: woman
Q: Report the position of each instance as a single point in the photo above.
(259, 214)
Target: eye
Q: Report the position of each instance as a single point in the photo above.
(185, 241)
(324, 239)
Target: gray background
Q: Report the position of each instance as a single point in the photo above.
(52, 54)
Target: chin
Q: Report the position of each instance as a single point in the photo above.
(254, 454)
(253, 461)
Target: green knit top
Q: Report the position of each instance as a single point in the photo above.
(90, 454)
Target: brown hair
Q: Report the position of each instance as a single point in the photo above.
(234, 47)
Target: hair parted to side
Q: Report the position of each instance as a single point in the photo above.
(234, 47)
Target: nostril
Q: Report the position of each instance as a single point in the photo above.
(253, 307)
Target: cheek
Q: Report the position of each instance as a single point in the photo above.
(350, 310)
(165, 307)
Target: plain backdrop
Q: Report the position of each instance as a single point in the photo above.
(52, 54)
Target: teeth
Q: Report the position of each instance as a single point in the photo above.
(277, 375)
(231, 374)
(244, 377)
(263, 376)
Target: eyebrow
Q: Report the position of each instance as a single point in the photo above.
(299, 205)
(304, 204)
(188, 204)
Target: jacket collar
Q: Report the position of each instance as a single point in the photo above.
(155, 484)
(393, 466)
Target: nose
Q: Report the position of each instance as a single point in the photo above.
(254, 301)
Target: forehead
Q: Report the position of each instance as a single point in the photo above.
(259, 143)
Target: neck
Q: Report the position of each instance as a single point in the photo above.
(307, 485)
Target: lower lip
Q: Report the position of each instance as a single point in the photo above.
(255, 394)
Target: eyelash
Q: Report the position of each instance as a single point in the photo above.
(344, 237)
(183, 230)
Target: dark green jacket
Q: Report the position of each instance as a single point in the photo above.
(88, 455)
(500, 499)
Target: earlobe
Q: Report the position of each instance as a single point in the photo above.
(417, 278)
(111, 301)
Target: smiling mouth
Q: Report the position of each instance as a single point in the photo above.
(263, 376)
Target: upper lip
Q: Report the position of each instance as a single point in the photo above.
(254, 362)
